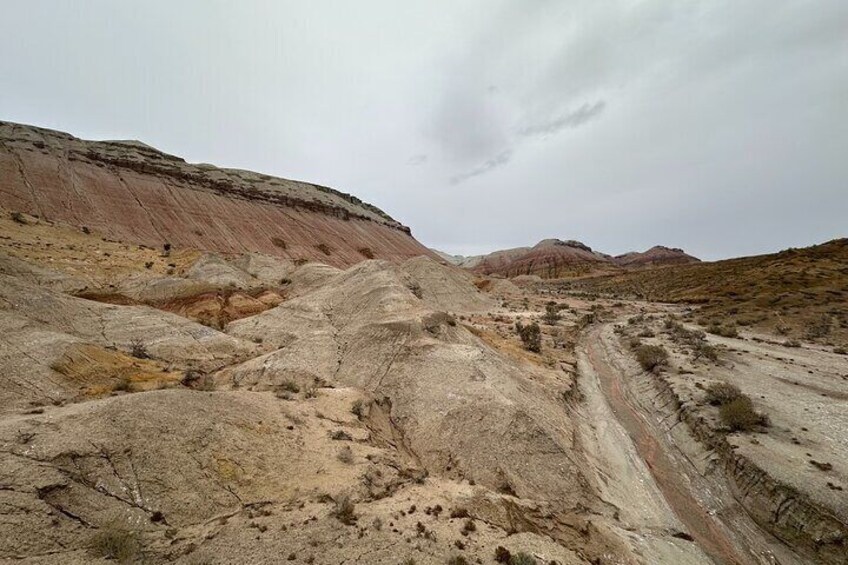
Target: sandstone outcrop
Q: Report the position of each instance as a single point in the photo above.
(550, 258)
(130, 192)
(656, 256)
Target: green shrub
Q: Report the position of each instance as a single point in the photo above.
(651, 357)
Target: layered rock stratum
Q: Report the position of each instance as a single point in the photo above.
(555, 258)
(550, 258)
(129, 191)
(656, 256)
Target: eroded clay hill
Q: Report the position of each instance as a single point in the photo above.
(186, 407)
(656, 256)
(549, 259)
(556, 259)
(131, 192)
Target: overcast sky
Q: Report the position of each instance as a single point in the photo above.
(718, 126)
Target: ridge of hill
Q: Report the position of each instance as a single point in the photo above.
(129, 191)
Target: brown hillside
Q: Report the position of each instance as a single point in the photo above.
(800, 293)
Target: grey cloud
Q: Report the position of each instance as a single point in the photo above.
(721, 130)
(498, 160)
(467, 125)
(574, 119)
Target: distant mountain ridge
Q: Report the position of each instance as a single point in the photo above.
(656, 256)
(555, 258)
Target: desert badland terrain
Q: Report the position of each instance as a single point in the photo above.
(203, 365)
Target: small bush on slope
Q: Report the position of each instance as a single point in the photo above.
(719, 394)
(651, 357)
(121, 545)
(531, 336)
(739, 415)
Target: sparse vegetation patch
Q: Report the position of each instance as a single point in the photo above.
(531, 336)
(123, 546)
(739, 415)
(652, 358)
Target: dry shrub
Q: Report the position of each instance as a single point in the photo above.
(358, 408)
(651, 357)
(819, 327)
(123, 384)
(719, 394)
(531, 336)
(704, 350)
(138, 349)
(289, 386)
(522, 558)
(345, 511)
(739, 415)
(281, 243)
(502, 554)
(723, 331)
(552, 315)
(345, 455)
(468, 527)
(482, 284)
(121, 545)
(366, 252)
(459, 513)
(415, 289)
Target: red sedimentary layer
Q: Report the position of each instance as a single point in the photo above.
(130, 192)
